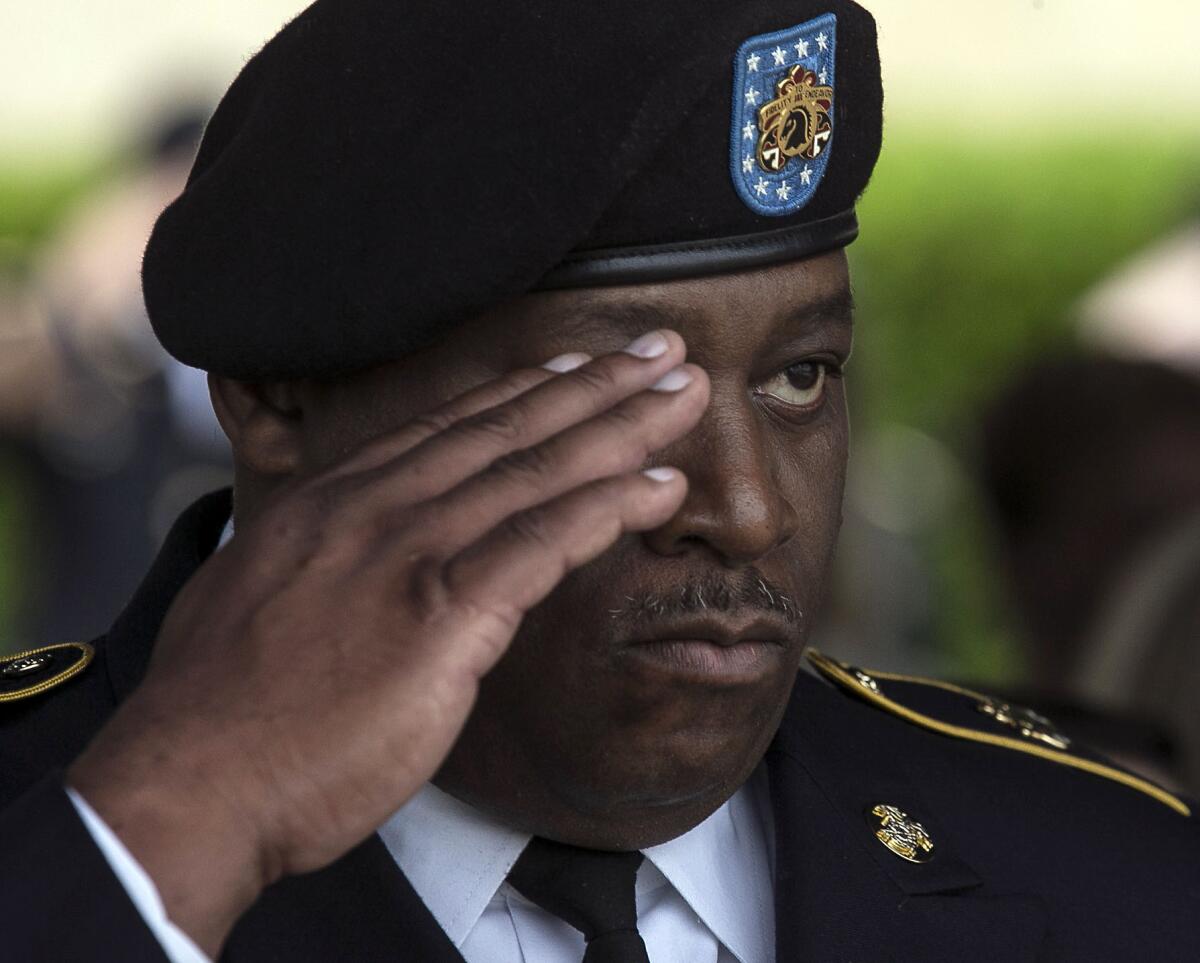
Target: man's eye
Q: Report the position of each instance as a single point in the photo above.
(800, 385)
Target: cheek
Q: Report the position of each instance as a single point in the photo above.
(812, 473)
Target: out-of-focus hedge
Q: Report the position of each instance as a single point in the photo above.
(33, 199)
(972, 251)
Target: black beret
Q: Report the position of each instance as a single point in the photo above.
(383, 169)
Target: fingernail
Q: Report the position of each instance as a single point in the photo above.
(674, 380)
(652, 345)
(567, 362)
(661, 474)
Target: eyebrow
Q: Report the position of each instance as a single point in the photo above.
(628, 317)
(837, 306)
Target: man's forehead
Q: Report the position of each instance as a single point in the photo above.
(817, 289)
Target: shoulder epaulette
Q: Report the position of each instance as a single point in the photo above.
(30, 673)
(965, 714)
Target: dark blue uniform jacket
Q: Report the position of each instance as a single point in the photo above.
(1033, 857)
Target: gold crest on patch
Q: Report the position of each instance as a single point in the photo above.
(796, 123)
(900, 833)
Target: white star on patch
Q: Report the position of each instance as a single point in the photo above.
(805, 175)
(748, 132)
(822, 42)
(752, 63)
(783, 191)
(761, 188)
(752, 97)
(747, 164)
(822, 77)
(802, 48)
(780, 56)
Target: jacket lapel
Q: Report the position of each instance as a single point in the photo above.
(190, 541)
(359, 908)
(840, 894)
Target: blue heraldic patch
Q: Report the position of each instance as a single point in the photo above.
(782, 131)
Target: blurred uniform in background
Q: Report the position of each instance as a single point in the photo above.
(127, 436)
(1093, 468)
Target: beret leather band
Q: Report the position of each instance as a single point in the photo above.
(648, 263)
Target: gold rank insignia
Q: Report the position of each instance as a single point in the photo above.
(1030, 724)
(31, 673)
(900, 833)
(1004, 725)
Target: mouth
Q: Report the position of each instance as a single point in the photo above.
(711, 651)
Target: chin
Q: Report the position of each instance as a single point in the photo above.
(641, 786)
(614, 749)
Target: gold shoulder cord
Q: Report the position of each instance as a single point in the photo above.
(57, 679)
(846, 679)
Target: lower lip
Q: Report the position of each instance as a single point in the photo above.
(705, 661)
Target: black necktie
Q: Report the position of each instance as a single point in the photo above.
(590, 889)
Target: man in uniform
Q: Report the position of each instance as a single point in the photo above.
(527, 327)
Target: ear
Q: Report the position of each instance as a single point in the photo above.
(262, 421)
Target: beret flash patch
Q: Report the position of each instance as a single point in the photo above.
(782, 131)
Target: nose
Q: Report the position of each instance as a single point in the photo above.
(735, 507)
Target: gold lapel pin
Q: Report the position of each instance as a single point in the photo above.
(900, 833)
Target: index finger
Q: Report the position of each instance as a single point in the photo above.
(470, 445)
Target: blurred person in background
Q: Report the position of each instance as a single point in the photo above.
(1092, 467)
(126, 437)
(1091, 464)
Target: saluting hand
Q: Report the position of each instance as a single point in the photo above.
(316, 671)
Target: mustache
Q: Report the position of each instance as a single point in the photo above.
(751, 590)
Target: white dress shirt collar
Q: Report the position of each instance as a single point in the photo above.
(457, 859)
(454, 856)
(723, 869)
